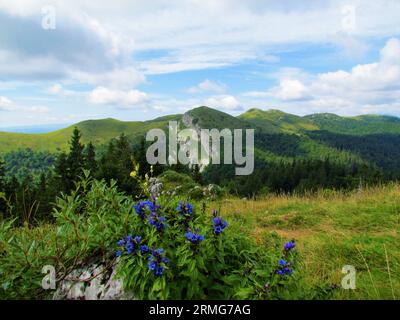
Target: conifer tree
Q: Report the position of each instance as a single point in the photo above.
(90, 159)
(62, 176)
(75, 157)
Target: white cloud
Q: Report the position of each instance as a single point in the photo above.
(6, 104)
(122, 78)
(378, 78)
(345, 92)
(56, 89)
(289, 89)
(102, 95)
(161, 108)
(225, 102)
(349, 46)
(208, 86)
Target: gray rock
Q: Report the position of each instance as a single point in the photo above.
(91, 282)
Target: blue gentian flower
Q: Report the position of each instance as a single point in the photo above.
(157, 262)
(159, 271)
(143, 249)
(157, 221)
(289, 245)
(284, 268)
(219, 225)
(194, 238)
(130, 245)
(152, 265)
(185, 209)
(140, 208)
(282, 263)
(138, 239)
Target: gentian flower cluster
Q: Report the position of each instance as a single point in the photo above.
(129, 244)
(185, 210)
(140, 208)
(194, 237)
(289, 245)
(219, 225)
(284, 268)
(157, 221)
(157, 262)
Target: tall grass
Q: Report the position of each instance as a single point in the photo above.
(333, 229)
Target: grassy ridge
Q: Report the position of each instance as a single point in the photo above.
(333, 230)
(359, 125)
(96, 131)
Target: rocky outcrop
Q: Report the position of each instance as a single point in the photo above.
(92, 282)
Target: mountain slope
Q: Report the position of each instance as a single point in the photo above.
(96, 131)
(359, 125)
(278, 121)
(208, 118)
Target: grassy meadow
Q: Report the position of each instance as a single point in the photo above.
(331, 230)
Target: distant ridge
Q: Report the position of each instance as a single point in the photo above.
(270, 121)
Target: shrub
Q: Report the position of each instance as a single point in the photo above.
(166, 249)
(87, 221)
(191, 254)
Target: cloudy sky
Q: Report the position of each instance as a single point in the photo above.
(67, 61)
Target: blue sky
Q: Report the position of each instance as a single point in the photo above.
(135, 60)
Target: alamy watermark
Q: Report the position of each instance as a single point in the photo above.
(49, 280)
(49, 19)
(349, 20)
(349, 280)
(202, 147)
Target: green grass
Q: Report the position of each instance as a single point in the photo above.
(333, 230)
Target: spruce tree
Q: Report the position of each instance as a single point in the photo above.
(75, 157)
(90, 159)
(62, 176)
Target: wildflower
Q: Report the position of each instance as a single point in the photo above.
(185, 209)
(118, 253)
(219, 225)
(130, 244)
(143, 249)
(282, 263)
(152, 265)
(289, 245)
(193, 237)
(157, 262)
(159, 271)
(140, 208)
(129, 247)
(284, 268)
(157, 221)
